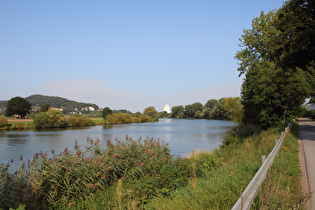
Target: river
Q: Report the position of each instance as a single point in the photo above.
(183, 136)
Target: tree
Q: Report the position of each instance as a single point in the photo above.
(296, 24)
(3, 121)
(44, 108)
(106, 111)
(234, 108)
(272, 91)
(190, 110)
(18, 106)
(178, 112)
(150, 111)
(50, 119)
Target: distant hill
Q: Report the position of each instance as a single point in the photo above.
(58, 102)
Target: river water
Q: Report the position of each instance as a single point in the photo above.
(183, 136)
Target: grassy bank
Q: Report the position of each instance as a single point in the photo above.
(143, 175)
(232, 169)
(282, 189)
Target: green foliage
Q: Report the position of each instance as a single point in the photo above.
(55, 119)
(18, 106)
(296, 26)
(178, 112)
(79, 121)
(3, 121)
(44, 108)
(282, 189)
(226, 173)
(123, 118)
(150, 111)
(277, 79)
(192, 109)
(240, 132)
(20, 126)
(120, 118)
(164, 114)
(223, 109)
(106, 111)
(58, 102)
(51, 119)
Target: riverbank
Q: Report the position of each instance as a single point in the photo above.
(215, 180)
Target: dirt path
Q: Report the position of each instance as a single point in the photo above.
(307, 158)
(21, 120)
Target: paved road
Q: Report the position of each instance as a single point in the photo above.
(307, 135)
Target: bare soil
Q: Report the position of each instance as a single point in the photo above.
(20, 120)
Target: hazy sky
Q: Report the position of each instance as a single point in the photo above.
(127, 54)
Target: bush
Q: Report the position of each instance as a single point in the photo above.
(238, 133)
(3, 121)
(124, 118)
(51, 119)
(79, 121)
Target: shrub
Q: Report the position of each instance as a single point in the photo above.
(3, 121)
(119, 118)
(238, 133)
(51, 119)
(79, 121)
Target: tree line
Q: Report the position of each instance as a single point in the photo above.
(229, 108)
(277, 60)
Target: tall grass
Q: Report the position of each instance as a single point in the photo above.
(73, 178)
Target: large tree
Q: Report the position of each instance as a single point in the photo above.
(296, 25)
(151, 111)
(277, 80)
(18, 106)
(106, 111)
(192, 109)
(178, 112)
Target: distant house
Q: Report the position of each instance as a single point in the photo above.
(57, 109)
(89, 109)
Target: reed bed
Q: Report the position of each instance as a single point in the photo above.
(68, 178)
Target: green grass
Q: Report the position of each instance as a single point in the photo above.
(282, 189)
(230, 169)
(97, 120)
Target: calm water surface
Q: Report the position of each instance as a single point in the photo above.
(183, 137)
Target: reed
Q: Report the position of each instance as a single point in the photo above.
(72, 178)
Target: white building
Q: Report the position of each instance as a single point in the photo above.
(166, 108)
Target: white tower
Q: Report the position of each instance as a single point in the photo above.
(166, 108)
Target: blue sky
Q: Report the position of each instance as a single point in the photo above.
(127, 54)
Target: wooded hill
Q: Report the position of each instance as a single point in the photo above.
(57, 102)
